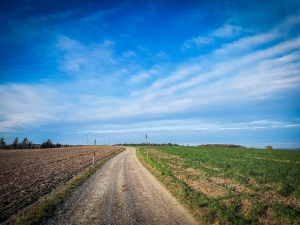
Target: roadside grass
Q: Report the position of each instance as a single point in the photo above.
(48, 204)
(229, 185)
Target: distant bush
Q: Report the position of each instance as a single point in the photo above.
(268, 147)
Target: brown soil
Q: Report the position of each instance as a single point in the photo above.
(26, 175)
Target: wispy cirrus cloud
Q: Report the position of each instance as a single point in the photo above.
(197, 42)
(77, 57)
(28, 106)
(250, 81)
(227, 31)
(139, 78)
(190, 125)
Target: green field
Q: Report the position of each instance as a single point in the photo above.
(230, 185)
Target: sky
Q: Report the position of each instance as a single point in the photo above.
(186, 72)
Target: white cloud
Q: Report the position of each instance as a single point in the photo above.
(28, 106)
(246, 44)
(250, 75)
(139, 78)
(161, 55)
(288, 24)
(227, 31)
(160, 86)
(247, 81)
(128, 54)
(77, 57)
(197, 42)
(189, 125)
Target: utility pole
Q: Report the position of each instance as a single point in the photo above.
(147, 145)
(94, 152)
(87, 139)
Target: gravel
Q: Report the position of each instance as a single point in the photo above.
(122, 191)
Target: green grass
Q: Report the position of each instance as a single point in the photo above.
(47, 205)
(267, 176)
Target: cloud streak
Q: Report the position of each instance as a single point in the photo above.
(192, 125)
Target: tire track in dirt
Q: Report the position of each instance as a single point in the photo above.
(122, 192)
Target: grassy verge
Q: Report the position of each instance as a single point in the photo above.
(230, 186)
(47, 205)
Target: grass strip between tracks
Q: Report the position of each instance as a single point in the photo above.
(48, 204)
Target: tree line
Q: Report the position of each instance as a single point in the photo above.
(26, 144)
(222, 145)
(170, 144)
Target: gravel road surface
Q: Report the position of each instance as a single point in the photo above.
(122, 192)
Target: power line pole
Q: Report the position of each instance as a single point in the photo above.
(94, 152)
(147, 145)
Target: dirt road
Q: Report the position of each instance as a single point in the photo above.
(122, 192)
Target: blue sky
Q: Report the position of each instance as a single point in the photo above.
(187, 72)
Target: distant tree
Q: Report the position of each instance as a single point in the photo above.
(2, 143)
(25, 143)
(58, 145)
(30, 145)
(269, 147)
(15, 143)
(47, 144)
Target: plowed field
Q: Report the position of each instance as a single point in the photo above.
(26, 175)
